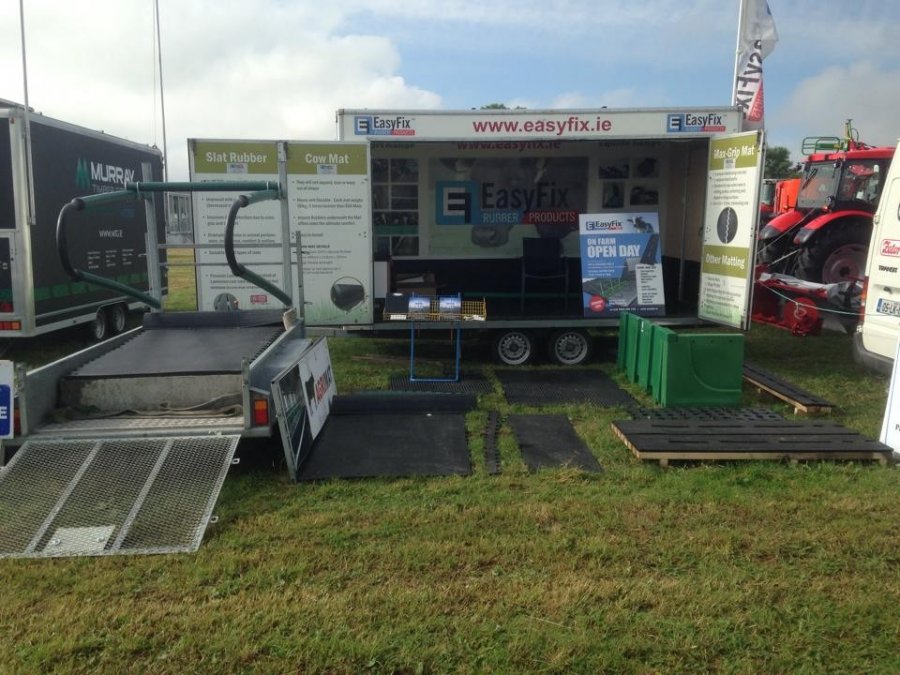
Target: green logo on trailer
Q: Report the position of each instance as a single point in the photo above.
(83, 176)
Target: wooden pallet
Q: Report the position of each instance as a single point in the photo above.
(720, 440)
(802, 400)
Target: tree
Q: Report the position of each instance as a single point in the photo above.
(778, 163)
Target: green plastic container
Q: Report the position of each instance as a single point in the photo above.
(628, 335)
(697, 369)
(633, 355)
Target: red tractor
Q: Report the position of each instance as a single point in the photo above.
(824, 238)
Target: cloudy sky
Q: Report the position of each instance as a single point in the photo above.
(278, 69)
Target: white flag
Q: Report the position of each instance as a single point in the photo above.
(756, 40)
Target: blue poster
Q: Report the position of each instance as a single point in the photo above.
(621, 264)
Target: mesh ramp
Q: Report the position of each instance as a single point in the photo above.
(112, 496)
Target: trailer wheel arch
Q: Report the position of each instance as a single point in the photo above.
(570, 346)
(514, 346)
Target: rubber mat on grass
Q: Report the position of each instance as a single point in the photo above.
(550, 441)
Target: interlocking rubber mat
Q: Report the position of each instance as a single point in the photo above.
(561, 385)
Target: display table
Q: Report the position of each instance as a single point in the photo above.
(423, 309)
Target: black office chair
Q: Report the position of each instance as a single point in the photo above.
(542, 259)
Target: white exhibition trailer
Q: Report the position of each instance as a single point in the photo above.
(647, 210)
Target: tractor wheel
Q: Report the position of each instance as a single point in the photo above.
(570, 347)
(838, 253)
(514, 347)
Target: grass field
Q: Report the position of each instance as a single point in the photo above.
(741, 568)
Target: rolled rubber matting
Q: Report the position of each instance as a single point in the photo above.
(392, 435)
(550, 441)
(562, 385)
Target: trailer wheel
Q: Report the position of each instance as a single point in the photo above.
(118, 317)
(570, 347)
(514, 347)
(836, 254)
(99, 325)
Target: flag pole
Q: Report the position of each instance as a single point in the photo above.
(742, 11)
(29, 178)
(162, 99)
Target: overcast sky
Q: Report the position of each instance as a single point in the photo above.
(278, 69)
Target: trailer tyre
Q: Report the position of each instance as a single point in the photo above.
(514, 347)
(118, 317)
(836, 254)
(99, 325)
(570, 347)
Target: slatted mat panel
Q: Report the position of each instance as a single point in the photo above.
(114, 496)
(550, 441)
(665, 440)
(706, 413)
(801, 399)
(562, 385)
(468, 384)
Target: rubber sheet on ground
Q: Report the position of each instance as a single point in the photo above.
(550, 441)
(392, 435)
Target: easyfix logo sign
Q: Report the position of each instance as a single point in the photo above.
(381, 125)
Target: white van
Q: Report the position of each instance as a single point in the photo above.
(875, 342)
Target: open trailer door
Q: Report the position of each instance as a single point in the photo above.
(734, 170)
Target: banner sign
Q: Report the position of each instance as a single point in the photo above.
(486, 206)
(393, 126)
(621, 266)
(302, 395)
(328, 196)
(729, 229)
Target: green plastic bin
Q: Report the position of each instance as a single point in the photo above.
(633, 356)
(628, 335)
(698, 369)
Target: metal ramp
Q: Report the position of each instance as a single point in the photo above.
(111, 496)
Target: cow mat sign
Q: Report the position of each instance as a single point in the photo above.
(621, 264)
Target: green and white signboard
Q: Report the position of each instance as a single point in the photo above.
(327, 195)
(729, 229)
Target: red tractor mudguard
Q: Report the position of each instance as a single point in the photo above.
(809, 229)
(781, 223)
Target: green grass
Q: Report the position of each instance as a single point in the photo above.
(746, 568)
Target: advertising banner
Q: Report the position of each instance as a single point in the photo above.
(328, 198)
(621, 268)
(259, 225)
(726, 266)
(534, 124)
(302, 396)
(485, 206)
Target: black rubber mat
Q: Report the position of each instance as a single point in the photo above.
(491, 449)
(374, 402)
(182, 351)
(468, 384)
(390, 444)
(561, 385)
(758, 414)
(550, 441)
